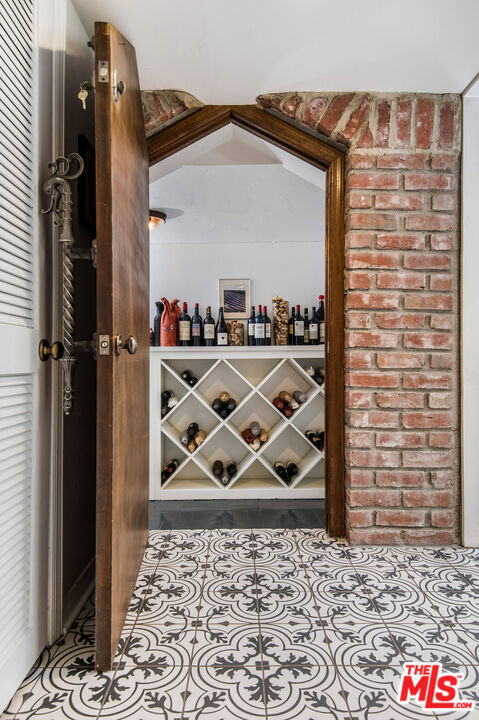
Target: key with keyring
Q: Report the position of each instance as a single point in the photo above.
(83, 94)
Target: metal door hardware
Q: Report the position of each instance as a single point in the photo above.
(103, 344)
(130, 344)
(119, 86)
(47, 351)
(103, 71)
(58, 187)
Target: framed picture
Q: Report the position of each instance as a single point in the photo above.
(235, 298)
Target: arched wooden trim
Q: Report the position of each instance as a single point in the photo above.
(315, 151)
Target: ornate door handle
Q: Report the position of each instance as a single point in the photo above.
(46, 351)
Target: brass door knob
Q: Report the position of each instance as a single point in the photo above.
(45, 350)
(130, 344)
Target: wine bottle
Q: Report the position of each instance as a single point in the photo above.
(218, 468)
(209, 328)
(321, 319)
(306, 327)
(291, 328)
(169, 469)
(185, 327)
(298, 328)
(196, 328)
(251, 321)
(157, 323)
(313, 328)
(221, 329)
(231, 469)
(292, 470)
(281, 471)
(259, 327)
(267, 327)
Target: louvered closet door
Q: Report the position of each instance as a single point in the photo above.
(19, 617)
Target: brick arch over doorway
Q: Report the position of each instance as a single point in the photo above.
(401, 303)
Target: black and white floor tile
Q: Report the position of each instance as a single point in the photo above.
(268, 625)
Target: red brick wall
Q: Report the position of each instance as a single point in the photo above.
(401, 307)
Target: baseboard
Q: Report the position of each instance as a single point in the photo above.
(77, 595)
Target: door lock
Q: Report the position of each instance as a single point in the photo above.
(130, 344)
(45, 350)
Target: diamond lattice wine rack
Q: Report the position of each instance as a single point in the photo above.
(254, 378)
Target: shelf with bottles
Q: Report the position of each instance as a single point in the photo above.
(259, 330)
(253, 381)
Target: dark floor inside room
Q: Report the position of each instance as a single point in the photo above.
(235, 514)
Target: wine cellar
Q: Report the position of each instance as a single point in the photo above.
(253, 377)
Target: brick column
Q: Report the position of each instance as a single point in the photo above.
(402, 302)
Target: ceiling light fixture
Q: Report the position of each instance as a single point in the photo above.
(157, 217)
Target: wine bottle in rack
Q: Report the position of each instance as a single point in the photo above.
(259, 328)
(291, 328)
(197, 328)
(221, 330)
(185, 327)
(321, 319)
(267, 327)
(306, 327)
(281, 471)
(251, 322)
(298, 327)
(209, 328)
(313, 328)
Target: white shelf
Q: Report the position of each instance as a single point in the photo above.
(253, 377)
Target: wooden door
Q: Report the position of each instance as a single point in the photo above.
(122, 310)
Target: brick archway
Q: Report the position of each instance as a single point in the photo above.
(401, 306)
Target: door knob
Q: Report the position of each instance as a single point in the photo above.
(45, 350)
(130, 344)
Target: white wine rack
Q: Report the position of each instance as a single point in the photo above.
(253, 377)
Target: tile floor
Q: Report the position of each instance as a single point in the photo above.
(277, 624)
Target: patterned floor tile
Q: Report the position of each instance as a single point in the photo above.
(66, 693)
(226, 644)
(372, 692)
(361, 644)
(163, 595)
(156, 645)
(225, 692)
(278, 624)
(146, 693)
(281, 647)
(304, 692)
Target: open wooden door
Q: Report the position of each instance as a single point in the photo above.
(122, 322)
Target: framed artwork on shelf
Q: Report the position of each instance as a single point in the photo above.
(234, 297)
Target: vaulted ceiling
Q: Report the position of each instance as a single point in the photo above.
(229, 51)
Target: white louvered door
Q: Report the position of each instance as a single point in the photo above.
(20, 632)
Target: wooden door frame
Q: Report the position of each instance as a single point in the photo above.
(328, 157)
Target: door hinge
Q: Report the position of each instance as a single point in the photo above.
(85, 253)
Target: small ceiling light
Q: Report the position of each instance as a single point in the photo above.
(157, 217)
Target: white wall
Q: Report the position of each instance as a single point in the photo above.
(257, 221)
(470, 324)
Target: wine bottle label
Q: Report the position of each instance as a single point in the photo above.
(306, 334)
(299, 328)
(321, 332)
(185, 330)
(290, 328)
(196, 330)
(222, 338)
(209, 332)
(313, 331)
(251, 329)
(259, 330)
(268, 330)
